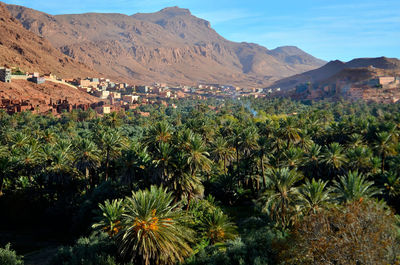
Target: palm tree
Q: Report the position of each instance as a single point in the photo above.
(60, 168)
(217, 227)
(356, 140)
(314, 196)
(197, 156)
(391, 184)
(86, 157)
(263, 149)
(353, 187)
(359, 158)
(159, 132)
(235, 139)
(113, 120)
(248, 144)
(313, 158)
(280, 197)
(154, 229)
(134, 164)
(111, 216)
(384, 146)
(111, 143)
(221, 151)
(289, 131)
(164, 161)
(292, 157)
(334, 157)
(5, 167)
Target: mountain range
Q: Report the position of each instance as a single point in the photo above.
(170, 46)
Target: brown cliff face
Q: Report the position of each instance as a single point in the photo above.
(22, 48)
(170, 46)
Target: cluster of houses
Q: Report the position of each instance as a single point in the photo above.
(383, 89)
(114, 96)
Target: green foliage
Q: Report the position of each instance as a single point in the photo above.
(357, 233)
(56, 171)
(154, 229)
(353, 187)
(256, 248)
(94, 250)
(9, 257)
(110, 221)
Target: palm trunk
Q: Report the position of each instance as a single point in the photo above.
(1, 185)
(225, 164)
(262, 172)
(237, 166)
(107, 164)
(87, 178)
(188, 203)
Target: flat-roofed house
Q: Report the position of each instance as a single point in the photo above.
(5, 75)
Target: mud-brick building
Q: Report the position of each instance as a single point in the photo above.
(5, 75)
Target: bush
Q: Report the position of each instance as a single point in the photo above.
(97, 249)
(9, 257)
(357, 233)
(256, 248)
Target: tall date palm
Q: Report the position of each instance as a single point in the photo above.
(154, 230)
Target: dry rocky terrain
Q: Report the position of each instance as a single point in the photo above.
(169, 46)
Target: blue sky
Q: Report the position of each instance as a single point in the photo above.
(328, 29)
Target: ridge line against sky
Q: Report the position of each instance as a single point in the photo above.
(343, 30)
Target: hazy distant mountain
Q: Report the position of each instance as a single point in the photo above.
(335, 70)
(167, 46)
(20, 47)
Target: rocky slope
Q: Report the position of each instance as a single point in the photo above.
(22, 48)
(338, 70)
(25, 90)
(170, 46)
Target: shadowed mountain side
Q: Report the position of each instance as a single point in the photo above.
(22, 48)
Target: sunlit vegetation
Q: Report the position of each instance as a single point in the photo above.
(253, 182)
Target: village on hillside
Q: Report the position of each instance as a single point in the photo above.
(378, 86)
(113, 96)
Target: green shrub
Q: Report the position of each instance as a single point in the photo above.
(9, 257)
(97, 249)
(256, 248)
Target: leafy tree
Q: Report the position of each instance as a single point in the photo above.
(9, 257)
(358, 233)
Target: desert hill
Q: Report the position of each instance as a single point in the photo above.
(22, 48)
(25, 90)
(170, 46)
(338, 70)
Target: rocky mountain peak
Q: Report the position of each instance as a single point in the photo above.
(175, 11)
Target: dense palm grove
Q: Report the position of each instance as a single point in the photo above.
(216, 182)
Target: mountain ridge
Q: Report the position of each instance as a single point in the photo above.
(170, 46)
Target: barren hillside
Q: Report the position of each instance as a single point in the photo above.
(170, 46)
